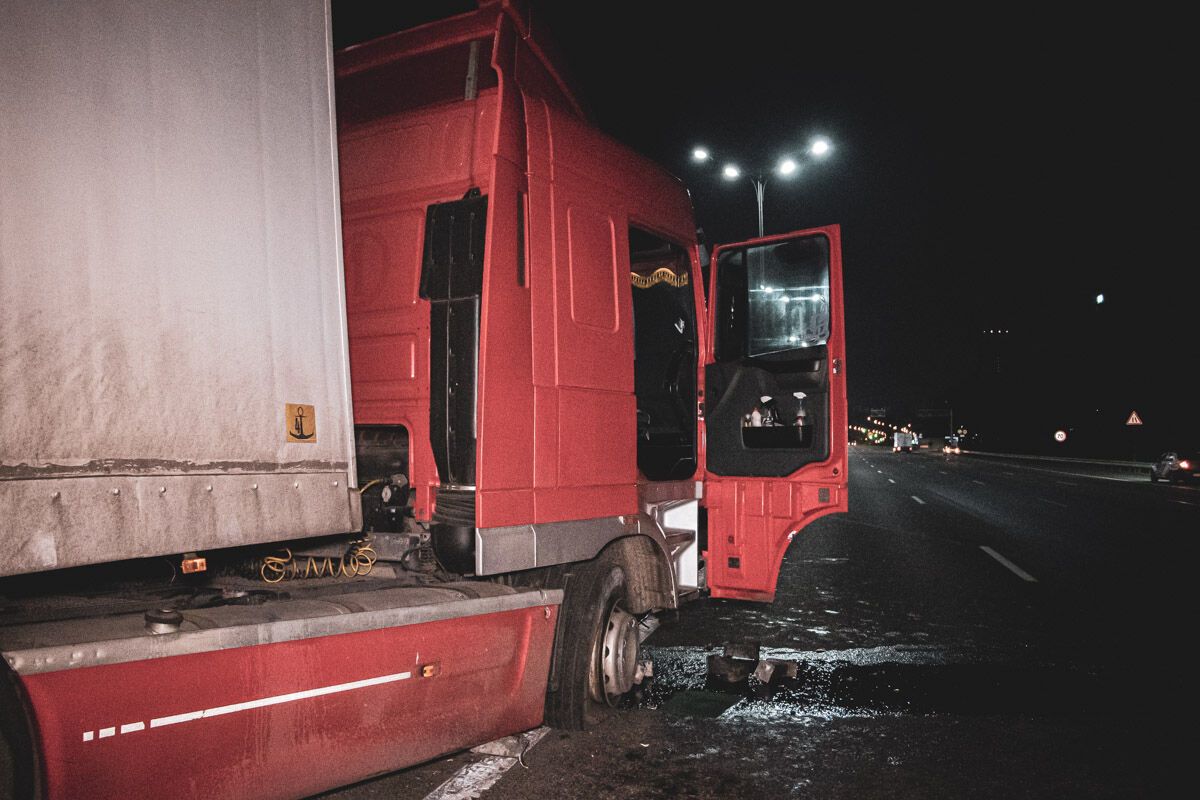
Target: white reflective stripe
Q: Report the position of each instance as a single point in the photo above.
(277, 699)
(188, 716)
(161, 721)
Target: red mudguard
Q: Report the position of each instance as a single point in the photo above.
(294, 718)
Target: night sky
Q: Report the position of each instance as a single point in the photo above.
(991, 173)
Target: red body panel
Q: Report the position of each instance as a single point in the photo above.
(505, 447)
(752, 520)
(584, 191)
(290, 719)
(447, 150)
(556, 410)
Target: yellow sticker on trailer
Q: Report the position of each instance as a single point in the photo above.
(301, 423)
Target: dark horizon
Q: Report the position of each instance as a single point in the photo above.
(994, 182)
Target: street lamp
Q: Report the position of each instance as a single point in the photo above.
(786, 168)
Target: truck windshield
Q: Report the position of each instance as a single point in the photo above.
(774, 297)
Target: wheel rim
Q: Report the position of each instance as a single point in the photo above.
(618, 655)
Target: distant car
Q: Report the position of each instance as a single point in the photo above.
(951, 448)
(1176, 467)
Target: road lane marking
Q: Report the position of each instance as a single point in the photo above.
(981, 483)
(919, 500)
(1020, 573)
(1010, 473)
(1184, 502)
(890, 480)
(879, 471)
(500, 756)
(943, 472)
(1053, 502)
(1066, 483)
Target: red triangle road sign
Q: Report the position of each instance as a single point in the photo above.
(1134, 419)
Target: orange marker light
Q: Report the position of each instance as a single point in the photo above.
(194, 564)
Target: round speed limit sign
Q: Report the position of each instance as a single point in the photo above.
(1060, 436)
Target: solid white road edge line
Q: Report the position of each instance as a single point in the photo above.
(475, 778)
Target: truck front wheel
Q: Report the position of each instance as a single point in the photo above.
(597, 663)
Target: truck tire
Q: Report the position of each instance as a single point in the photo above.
(598, 646)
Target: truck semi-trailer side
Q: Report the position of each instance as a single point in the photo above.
(172, 352)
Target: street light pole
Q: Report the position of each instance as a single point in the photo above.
(786, 168)
(760, 186)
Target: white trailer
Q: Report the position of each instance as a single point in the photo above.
(170, 281)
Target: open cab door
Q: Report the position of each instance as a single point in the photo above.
(775, 388)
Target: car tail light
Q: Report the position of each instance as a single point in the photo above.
(1185, 464)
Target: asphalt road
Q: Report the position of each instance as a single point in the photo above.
(971, 628)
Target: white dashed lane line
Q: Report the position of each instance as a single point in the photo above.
(1053, 502)
(1013, 568)
(919, 500)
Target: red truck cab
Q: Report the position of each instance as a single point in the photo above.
(527, 310)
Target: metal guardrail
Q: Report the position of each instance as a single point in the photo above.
(1130, 467)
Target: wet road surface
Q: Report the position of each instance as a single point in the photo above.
(971, 628)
